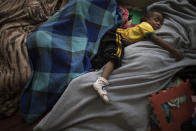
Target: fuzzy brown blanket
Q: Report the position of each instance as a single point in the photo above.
(18, 18)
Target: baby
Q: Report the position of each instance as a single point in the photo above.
(112, 46)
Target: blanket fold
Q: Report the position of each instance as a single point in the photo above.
(18, 18)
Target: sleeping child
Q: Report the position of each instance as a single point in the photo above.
(112, 46)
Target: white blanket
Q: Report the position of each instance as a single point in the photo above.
(146, 68)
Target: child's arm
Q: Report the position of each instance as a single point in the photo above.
(126, 41)
(158, 41)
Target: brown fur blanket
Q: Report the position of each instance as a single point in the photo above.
(17, 19)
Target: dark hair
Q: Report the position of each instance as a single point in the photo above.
(149, 12)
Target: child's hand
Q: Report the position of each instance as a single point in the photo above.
(178, 55)
(126, 42)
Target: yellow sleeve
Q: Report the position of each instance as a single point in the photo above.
(146, 28)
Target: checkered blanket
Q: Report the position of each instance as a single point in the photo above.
(61, 49)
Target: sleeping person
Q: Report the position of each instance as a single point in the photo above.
(112, 45)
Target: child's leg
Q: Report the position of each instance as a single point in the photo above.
(107, 70)
(102, 82)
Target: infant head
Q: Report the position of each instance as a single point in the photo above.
(155, 19)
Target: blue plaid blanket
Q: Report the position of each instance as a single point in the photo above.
(61, 49)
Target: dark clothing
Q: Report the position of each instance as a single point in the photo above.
(109, 49)
(189, 72)
(192, 2)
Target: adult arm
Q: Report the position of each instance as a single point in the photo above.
(158, 41)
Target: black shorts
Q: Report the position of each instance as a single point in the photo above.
(108, 49)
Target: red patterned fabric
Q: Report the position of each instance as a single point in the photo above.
(125, 14)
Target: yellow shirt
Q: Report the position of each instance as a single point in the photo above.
(137, 33)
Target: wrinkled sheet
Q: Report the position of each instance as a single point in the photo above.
(146, 68)
(61, 50)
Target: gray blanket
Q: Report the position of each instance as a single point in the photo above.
(146, 68)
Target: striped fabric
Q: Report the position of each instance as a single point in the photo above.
(18, 18)
(61, 49)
